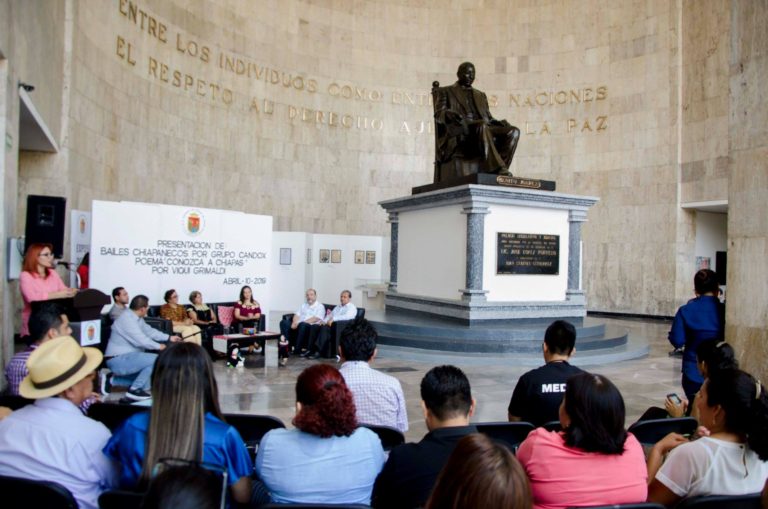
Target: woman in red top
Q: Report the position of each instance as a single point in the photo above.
(38, 281)
(248, 313)
(83, 270)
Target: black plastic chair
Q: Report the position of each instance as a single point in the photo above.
(751, 501)
(650, 432)
(120, 499)
(552, 426)
(338, 327)
(315, 506)
(252, 428)
(25, 493)
(161, 324)
(390, 437)
(639, 505)
(113, 415)
(509, 434)
(15, 402)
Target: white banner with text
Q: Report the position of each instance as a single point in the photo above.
(150, 248)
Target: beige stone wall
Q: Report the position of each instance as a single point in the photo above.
(747, 311)
(313, 111)
(31, 42)
(591, 88)
(705, 101)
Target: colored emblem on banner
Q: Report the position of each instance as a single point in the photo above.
(90, 332)
(82, 225)
(194, 222)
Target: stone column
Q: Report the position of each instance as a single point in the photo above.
(394, 221)
(474, 280)
(575, 218)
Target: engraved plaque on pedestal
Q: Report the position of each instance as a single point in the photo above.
(527, 254)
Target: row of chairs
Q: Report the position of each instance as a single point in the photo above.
(511, 434)
(23, 493)
(253, 427)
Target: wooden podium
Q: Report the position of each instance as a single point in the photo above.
(84, 313)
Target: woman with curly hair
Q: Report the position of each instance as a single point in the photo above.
(327, 458)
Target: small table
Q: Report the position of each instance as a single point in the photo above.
(222, 342)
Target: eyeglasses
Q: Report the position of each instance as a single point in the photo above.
(45, 254)
(165, 464)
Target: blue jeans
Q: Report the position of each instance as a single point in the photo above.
(135, 364)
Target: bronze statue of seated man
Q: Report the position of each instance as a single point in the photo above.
(468, 139)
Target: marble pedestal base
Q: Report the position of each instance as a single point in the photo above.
(446, 249)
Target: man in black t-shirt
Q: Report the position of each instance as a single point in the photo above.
(537, 396)
(410, 473)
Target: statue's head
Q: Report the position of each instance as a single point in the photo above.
(466, 74)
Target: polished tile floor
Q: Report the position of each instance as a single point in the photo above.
(644, 382)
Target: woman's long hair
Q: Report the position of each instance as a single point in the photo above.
(745, 403)
(242, 295)
(327, 406)
(716, 355)
(481, 474)
(30, 258)
(596, 410)
(183, 390)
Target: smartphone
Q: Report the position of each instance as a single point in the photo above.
(675, 398)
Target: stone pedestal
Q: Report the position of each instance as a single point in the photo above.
(445, 253)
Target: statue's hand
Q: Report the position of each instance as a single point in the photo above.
(453, 117)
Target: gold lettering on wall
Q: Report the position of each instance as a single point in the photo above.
(188, 83)
(144, 21)
(354, 92)
(558, 98)
(208, 66)
(192, 48)
(125, 50)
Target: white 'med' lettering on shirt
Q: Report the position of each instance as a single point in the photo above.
(545, 388)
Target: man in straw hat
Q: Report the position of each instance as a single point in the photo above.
(51, 439)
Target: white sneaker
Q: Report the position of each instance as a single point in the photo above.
(138, 395)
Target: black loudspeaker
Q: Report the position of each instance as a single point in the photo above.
(721, 266)
(45, 222)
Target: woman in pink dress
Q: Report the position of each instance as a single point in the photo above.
(593, 461)
(38, 281)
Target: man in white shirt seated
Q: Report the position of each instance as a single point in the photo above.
(341, 316)
(301, 332)
(379, 398)
(51, 440)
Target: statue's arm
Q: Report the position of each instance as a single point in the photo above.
(482, 99)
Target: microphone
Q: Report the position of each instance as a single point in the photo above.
(63, 263)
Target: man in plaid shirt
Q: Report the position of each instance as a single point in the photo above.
(47, 323)
(378, 397)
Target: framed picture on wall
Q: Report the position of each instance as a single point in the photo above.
(335, 255)
(285, 256)
(359, 257)
(370, 257)
(703, 262)
(325, 255)
(309, 256)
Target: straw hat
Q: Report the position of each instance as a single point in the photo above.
(56, 365)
